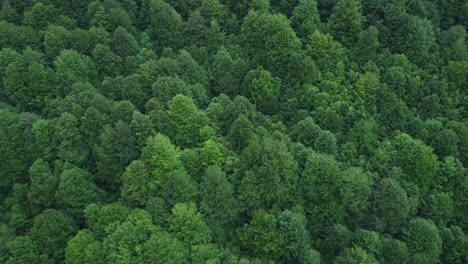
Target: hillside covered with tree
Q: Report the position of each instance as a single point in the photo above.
(233, 131)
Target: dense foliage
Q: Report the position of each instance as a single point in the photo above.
(233, 131)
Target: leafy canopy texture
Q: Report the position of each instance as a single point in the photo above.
(233, 132)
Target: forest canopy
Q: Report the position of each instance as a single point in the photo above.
(233, 132)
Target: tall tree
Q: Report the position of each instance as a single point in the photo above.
(51, 230)
(345, 23)
(188, 225)
(185, 120)
(162, 158)
(166, 25)
(218, 203)
(390, 205)
(269, 41)
(261, 238)
(43, 185)
(424, 242)
(75, 191)
(270, 180)
(305, 19)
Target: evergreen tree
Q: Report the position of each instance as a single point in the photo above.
(345, 23)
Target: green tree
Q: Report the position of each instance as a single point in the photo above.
(423, 238)
(264, 89)
(417, 161)
(72, 67)
(390, 205)
(117, 147)
(207, 253)
(163, 248)
(28, 85)
(99, 218)
(23, 250)
(226, 74)
(162, 158)
(124, 44)
(364, 136)
(327, 54)
(18, 37)
(55, 40)
(51, 230)
(393, 251)
(165, 88)
(240, 133)
(10, 135)
(211, 154)
(178, 187)
(367, 46)
(269, 41)
(188, 225)
(76, 190)
(184, 119)
(261, 238)
(356, 193)
(71, 148)
(438, 207)
(321, 184)
(306, 132)
(107, 63)
(326, 143)
(43, 138)
(8, 13)
(305, 19)
(296, 239)
(370, 241)
(454, 243)
(218, 203)
(136, 184)
(39, 16)
(42, 185)
(142, 127)
(356, 255)
(271, 177)
(345, 23)
(126, 239)
(83, 248)
(166, 25)
(97, 15)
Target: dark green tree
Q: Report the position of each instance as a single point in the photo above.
(424, 242)
(23, 250)
(107, 63)
(55, 40)
(390, 205)
(123, 43)
(51, 230)
(163, 248)
(166, 25)
(261, 238)
(271, 178)
(305, 19)
(43, 185)
(218, 203)
(345, 23)
(83, 247)
(269, 41)
(76, 190)
(356, 255)
(263, 89)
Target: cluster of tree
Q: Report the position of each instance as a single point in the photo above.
(223, 131)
